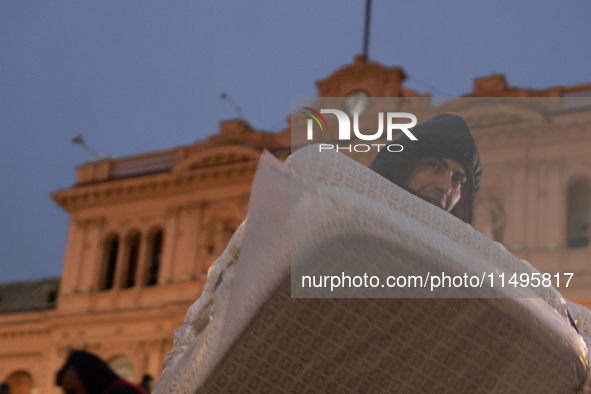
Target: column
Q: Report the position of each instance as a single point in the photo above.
(530, 205)
(143, 263)
(556, 232)
(186, 263)
(92, 256)
(200, 252)
(169, 247)
(516, 218)
(121, 264)
(541, 197)
(72, 259)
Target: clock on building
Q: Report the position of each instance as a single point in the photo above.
(356, 102)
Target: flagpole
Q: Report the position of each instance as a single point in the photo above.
(366, 35)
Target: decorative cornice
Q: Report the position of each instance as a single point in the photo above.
(23, 332)
(530, 133)
(148, 186)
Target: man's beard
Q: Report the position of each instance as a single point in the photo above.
(431, 200)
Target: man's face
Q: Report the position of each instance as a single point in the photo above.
(71, 383)
(438, 180)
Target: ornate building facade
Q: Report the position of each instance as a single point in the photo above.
(145, 229)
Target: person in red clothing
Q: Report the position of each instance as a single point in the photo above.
(85, 373)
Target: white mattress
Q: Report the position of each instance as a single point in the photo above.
(246, 335)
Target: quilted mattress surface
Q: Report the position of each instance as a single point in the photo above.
(246, 334)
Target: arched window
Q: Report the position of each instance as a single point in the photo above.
(133, 248)
(20, 382)
(578, 214)
(111, 250)
(155, 257)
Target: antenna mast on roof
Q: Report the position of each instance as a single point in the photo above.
(366, 35)
(227, 97)
(77, 139)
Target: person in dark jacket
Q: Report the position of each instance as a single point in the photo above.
(146, 382)
(85, 373)
(4, 388)
(442, 167)
(431, 167)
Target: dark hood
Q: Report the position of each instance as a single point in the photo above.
(446, 135)
(94, 373)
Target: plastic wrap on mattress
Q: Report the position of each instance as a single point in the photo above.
(246, 335)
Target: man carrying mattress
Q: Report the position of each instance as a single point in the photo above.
(370, 345)
(442, 167)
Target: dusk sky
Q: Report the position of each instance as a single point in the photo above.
(137, 76)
